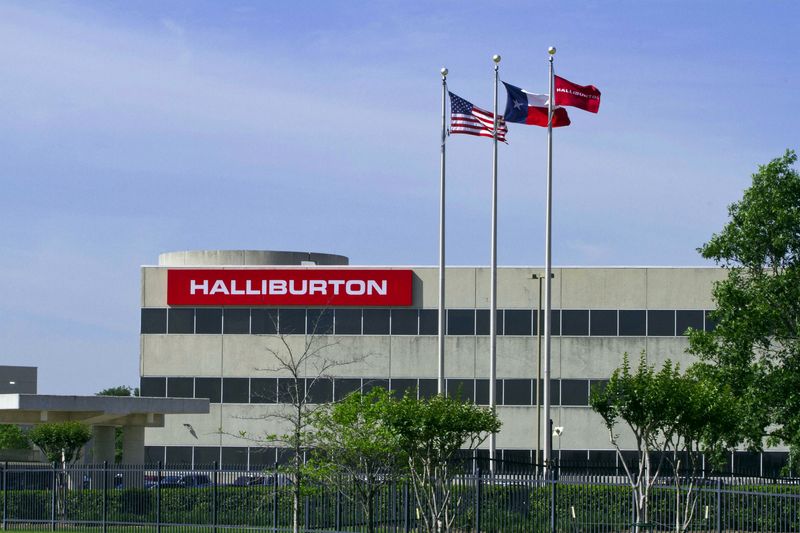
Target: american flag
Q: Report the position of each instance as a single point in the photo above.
(471, 120)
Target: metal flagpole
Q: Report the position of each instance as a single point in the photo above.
(548, 268)
(493, 283)
(440, 388)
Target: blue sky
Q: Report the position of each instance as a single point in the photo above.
(132, 128)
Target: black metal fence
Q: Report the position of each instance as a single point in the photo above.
(513, 498)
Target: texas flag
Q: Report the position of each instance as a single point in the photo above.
(531, 108)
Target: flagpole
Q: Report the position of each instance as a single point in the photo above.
(440, 388)
(548, 268)
(493, 283)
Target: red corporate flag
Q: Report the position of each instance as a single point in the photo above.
(586, 97)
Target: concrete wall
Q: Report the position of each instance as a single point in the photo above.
(18, 379)
(467, 356)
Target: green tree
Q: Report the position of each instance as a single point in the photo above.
(672, 416)
(355, 449)
(61, 442)
(431, 432)
(120, 390)
(755, 346)
(12, 437)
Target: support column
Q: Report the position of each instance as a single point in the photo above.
(103, 445)
(133, 456)
(133, 445)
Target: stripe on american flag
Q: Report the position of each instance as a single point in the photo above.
(470, 120)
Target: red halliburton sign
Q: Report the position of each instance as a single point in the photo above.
(289, 287)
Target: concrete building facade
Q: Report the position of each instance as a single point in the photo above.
(222, 352)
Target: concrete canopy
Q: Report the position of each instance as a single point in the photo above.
(103, 414)
(95, 410)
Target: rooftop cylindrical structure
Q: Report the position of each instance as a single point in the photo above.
(249, 258)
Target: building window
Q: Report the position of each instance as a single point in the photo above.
(236, 321)
(555, 392)
(428, 321)
(320, 322)
(235, 390)
(462, 389)
(208, 321)
(461, 322)
(263, 390)
(291, 390)
(518, 322)
(661, 323)
(180, 387)
(153, 387)
(344, 386)
(207, 388)
(320, 390)
(574, 392)
(179, 455)
(401, 386)
(688, 319)
(154, 321)
(292, 321)
(555, 322)
(376, 321)
(180, 320)
(234, 456)
(428, 388)
(517, 392)
(206, 455)
(632, 323)
(348, 321)
(574, 322)
(482, 392)
(261, 458)
(482, 322)
(264, 322)
(405, 322)
(603, 322)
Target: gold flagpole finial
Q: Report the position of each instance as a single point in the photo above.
(551, 50)
(496, 58)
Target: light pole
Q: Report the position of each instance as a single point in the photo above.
(537, 458)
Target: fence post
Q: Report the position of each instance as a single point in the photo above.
(478, 500)
(337, 516)
(215, 495)
(53, 501)
(719, 505)
(406, 509)
(275, 498)
(552, 477)
(306, 513)
(105, 496)
(5, 494)
(158, 498)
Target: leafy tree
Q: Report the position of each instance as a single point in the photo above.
(431, 432)
(60, 442)
(355, 448)
(121, 390)
(12, 437)
(672, 416)
(755, 346)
